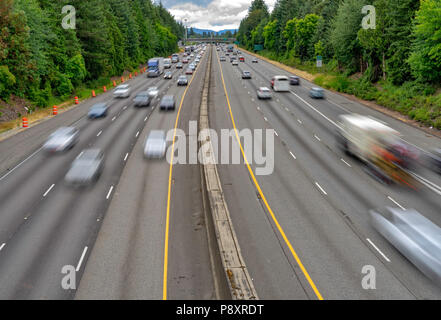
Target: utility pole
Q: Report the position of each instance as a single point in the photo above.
(185, 25)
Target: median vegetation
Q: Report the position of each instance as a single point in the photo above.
(396, 62)
(43, 62)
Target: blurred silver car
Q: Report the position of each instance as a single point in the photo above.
(415, 236)
(142, 99)
(62, 139)
(153, 92)
(155, 144)
(317, 93)
(122, 91)
(86, 168)
(264, 93)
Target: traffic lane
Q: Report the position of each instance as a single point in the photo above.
(21, 187)
(131, 239)
(18, 147)
(353, 198)
(51, 224)
(117, 129)
(332, 235)
(426, 200)
(335, 104)
(272, 273)
(189, 273)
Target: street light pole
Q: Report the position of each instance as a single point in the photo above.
(185, 32)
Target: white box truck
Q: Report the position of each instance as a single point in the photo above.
(167, 63)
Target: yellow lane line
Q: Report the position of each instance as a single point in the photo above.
(167, 221)
(282, 233)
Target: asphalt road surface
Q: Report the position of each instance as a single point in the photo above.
(139, 232)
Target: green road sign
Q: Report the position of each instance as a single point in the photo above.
(258, 47)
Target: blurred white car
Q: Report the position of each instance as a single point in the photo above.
(86, 168)
(153, 92)
(62, 139)
(122, 91)
(155, 144)
(264, 93)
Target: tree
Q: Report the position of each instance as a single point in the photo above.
(299, 33)
(425, 59)
(347, 47)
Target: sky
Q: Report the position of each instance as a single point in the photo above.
(211, 14)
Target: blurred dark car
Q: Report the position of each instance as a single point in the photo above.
(167, 103)
(294, 80)
(415, 236)
(98, 110)
(179, 65)
(254, 60)
(142, 99)
(222, 58)
(86, 168)
(182, 81)
(155, 144)
(62, 139)
(246, 75)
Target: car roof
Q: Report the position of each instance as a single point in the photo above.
(264, 88)
(142, 93)
(152, 88)
(122, 86)
(280, 78)
(168, 97)
(157, 134)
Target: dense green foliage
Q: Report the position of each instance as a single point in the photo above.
(397, 63)
(40, 59)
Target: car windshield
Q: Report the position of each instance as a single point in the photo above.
(152, 89)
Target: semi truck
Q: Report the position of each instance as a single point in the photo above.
(379, 147)
(155, 67)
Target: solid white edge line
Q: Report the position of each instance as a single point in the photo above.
(81, 259)
(108, 193)
(18, 165)
(48, 190)
(320, 113)
(432, 186)
(321, 189)
(390, 198)
(376, 248)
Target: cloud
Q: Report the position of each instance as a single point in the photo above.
(215, 15)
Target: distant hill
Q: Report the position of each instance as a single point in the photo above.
(201, 31)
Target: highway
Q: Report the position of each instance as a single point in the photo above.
(46, 225)
(140, 231)
(317, 197)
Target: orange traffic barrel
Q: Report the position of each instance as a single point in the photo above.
(122, 79)
(93, 93)
(114, 83)
(25, 122)
(76, 100)
(104, 88)
(130, 76)
(136, 73)
(54, 110)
